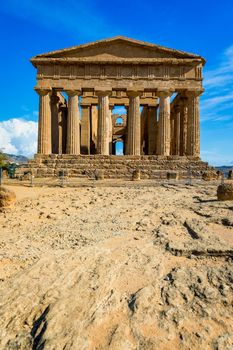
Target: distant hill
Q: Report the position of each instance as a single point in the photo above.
(224, 169)
(16, 159)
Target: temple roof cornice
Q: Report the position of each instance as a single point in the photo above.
(147, 61)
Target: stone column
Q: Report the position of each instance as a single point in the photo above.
(86, 130)
(54, 102)
(62, 118)
(127, 129)
(94, 127)
(177, 130)
(193, 135)
(172, 125)
(134, 124)
(44, 125)
(144, 130)
(183, 125)
(152, 129)
(164, 123)
(110, 129)
(103, 123)
(73, 124)
(60, 129)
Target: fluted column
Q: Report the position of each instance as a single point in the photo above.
(152, 129)
(183, 125)
(63, 113)
(134, 124)
(103, 123)
(177, 130)
(54, 103)
(125, 151)
(110, 129)
(164, 123)
(172, 131)
(193, 136)
(86, 130)
(73, 124)
(94, 129)
(44, 127)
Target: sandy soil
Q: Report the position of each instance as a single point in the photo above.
(128, 268)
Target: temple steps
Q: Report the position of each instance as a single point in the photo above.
(151, 167)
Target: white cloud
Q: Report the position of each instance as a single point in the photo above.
(18, 136)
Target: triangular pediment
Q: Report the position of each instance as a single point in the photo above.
(115, 49)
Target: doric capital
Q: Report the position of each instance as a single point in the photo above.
(194, 93)
(86, 106)
(134, 93)
(102, 93)
(72, 93)
(164, 93)
(41, 91)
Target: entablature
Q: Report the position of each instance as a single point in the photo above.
(119, 72)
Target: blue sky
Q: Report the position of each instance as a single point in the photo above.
(32, 27)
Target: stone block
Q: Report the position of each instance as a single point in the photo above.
(136, 175)
(7, 198)
(99, 174)
(225, 192)
(230, 175)
(173, 176)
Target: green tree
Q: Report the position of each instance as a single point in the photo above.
(3, 159)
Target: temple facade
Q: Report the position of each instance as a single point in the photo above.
(158, 87)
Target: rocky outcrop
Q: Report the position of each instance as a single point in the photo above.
(7, 198)
(225, 192)
(230, 175)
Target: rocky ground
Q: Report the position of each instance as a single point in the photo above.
(119, 268)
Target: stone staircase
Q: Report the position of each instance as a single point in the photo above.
(119, 167)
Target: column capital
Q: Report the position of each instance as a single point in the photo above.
(85, 106)
(193, 93)
(102, 93)
(134, 93)
(42, 91)
(164, 93)
(72, 93)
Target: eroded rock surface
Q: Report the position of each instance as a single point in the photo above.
(7, 198)
(225, 192)
(117, 268)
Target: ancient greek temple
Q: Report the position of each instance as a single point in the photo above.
(79, 87)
